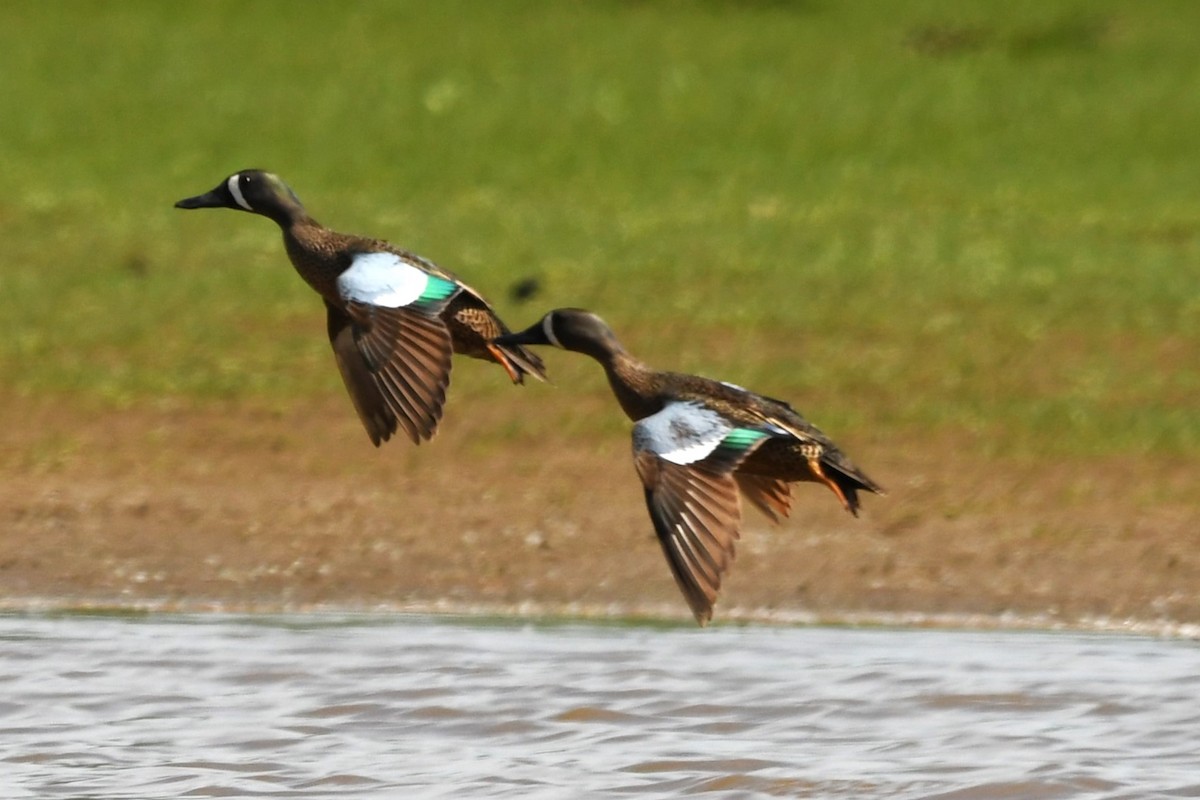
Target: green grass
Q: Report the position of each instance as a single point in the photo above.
(977, 219)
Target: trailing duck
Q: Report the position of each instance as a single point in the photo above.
(696, 443)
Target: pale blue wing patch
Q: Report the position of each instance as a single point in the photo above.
(687, 433)
(386, 280)
(682, 433)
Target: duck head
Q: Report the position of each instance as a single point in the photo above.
(571, 329)
(251, 190)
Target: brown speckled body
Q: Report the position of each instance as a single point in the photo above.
(642, 391)
(321, 255)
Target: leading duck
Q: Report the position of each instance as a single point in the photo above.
(393, 317)
(696, 442)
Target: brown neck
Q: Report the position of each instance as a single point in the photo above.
(287, 212)
(636, 386)
(313, 251)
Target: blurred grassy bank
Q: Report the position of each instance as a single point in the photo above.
(974, 221)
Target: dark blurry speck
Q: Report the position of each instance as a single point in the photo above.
(137, 264)
(525, 289)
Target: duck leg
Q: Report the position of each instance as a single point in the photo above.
(817, 470)
(503, 361)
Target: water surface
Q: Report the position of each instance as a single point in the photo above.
(308, 707)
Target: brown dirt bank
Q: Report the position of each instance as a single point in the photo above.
(288, 509)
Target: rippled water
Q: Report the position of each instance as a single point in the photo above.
(417, 707)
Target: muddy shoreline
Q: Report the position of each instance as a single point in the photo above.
(231, 509)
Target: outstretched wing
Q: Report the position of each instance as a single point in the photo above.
(685, 455)
(391, 347)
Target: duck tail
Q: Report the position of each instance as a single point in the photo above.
(518, 361)
(846, 480)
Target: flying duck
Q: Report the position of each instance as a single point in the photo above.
(696, 443)
(393, 317)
